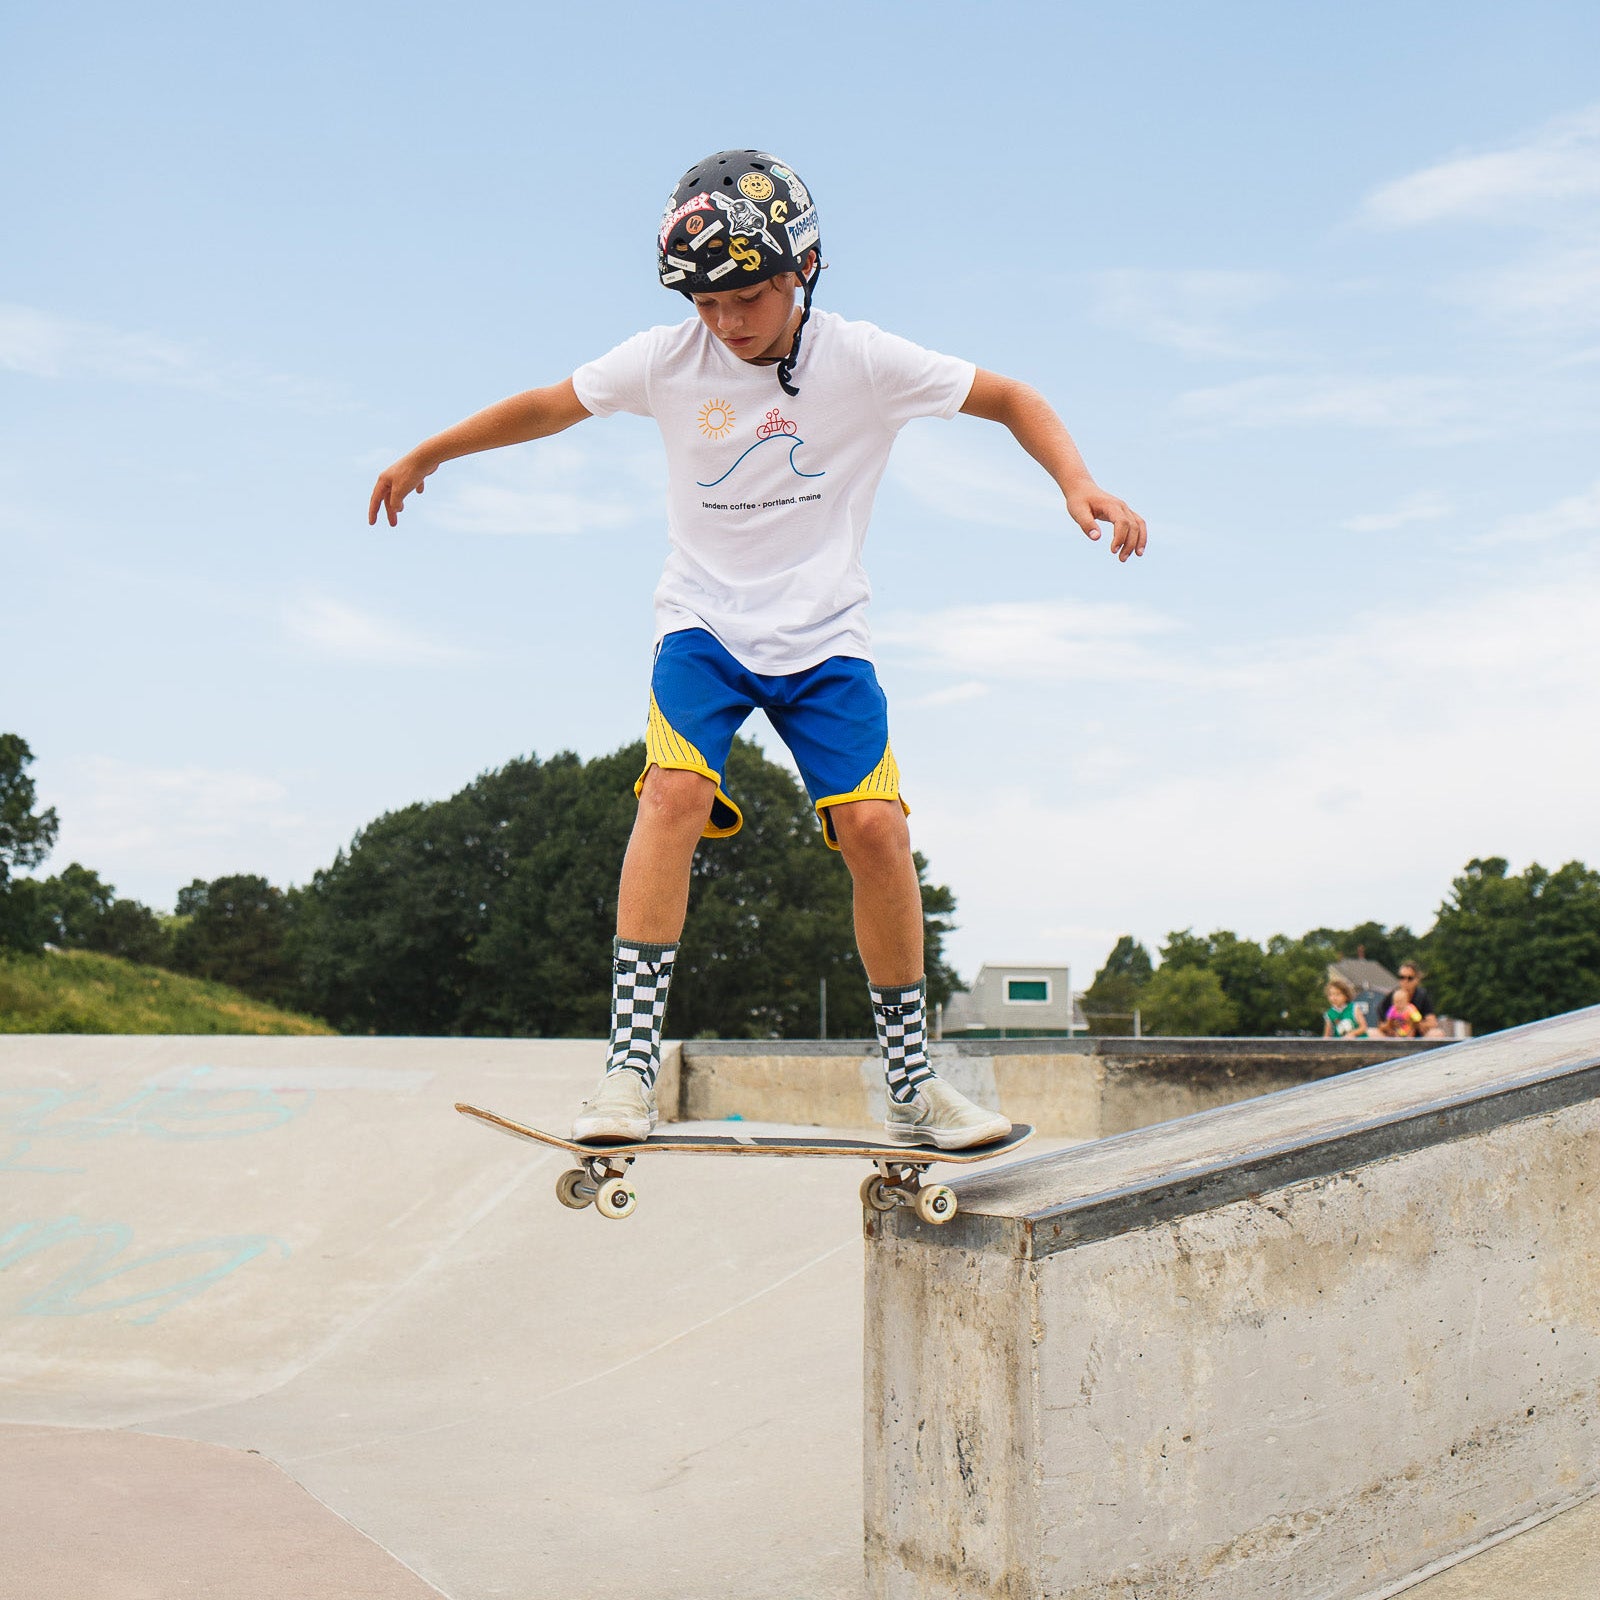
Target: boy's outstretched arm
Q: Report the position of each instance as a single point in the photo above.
(1043, 435)
(535, 414)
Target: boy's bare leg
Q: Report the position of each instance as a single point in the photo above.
(654, 896)
(652, 900)
(876, 845)
(923, 1109)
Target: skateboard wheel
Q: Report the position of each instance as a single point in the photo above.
(876, 1193)
(936, 1203)
(615, 1199)
(570, 1194)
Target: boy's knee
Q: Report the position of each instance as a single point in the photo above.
(871, 830)
(675, 797)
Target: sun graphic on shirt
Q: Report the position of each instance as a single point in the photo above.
(716, 418)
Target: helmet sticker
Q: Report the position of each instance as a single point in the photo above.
(756, 186)
(726, 267)
(803, 231)
(705, 234)
(798, 192)
(739, 249)
(780, 211)
(670, 219)
(747, 219)
(694, 224)
(670, 278)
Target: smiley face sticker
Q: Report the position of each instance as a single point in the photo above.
(756, 186)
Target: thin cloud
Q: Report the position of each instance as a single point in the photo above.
(1556, 165)
(1039, 641)
(168, 824)
(43, 345)
(1556, 290)
(1196, 312)
(1401, 404)
(556, 487)
(957, 694)
(331, 628)
(1576, 516)
(970, 480)
(1425, 506)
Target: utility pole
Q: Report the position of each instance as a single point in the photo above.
(822, 1009)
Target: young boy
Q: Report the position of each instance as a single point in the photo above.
(777, 425)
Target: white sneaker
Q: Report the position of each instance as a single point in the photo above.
(939, 1115)
(622, 1109)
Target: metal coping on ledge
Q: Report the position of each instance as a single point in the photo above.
(1079, 1045)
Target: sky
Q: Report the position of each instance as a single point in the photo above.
(1315, 287)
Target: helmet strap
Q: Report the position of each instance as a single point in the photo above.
(786, 365)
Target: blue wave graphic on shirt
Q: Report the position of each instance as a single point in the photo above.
(794, 444)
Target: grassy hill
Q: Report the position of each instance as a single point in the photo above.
(76, 992)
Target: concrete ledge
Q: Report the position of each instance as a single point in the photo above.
(1067, 1088)
(1314, 1345)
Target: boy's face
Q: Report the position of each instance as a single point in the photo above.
(752, 322)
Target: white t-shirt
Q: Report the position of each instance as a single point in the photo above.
(768, 494)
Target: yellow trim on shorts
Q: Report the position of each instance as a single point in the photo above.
(665, 747)
(882, 783)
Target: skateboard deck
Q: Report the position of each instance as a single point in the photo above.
(602, 1180)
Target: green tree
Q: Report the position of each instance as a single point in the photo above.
(1111, 1000)
(233, 930)
(26, 838)
(134, 932)
(1511, 949)
(1371, 941)
(1243, 970)
(75, 901)
(1272, 989)
(83, 912)
(1186, 1002)
(384, 936)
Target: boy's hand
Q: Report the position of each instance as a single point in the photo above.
(389, 492)
(1091, 505)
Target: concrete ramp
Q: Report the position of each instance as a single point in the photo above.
(297, 1247)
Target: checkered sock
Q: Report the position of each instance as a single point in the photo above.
(903, 1036)
(641, 974)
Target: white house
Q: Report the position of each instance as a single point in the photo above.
(1016, 997)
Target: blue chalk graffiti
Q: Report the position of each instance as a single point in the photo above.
(186, 1110)
(68, 1294)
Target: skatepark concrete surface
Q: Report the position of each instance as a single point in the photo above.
(275, 1320)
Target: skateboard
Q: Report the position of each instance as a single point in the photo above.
(603, 1182)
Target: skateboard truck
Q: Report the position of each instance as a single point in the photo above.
(601, 1182)
(899, 1183)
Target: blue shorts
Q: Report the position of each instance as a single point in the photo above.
(833, 717)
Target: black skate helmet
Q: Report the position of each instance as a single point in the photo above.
(737, 218)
